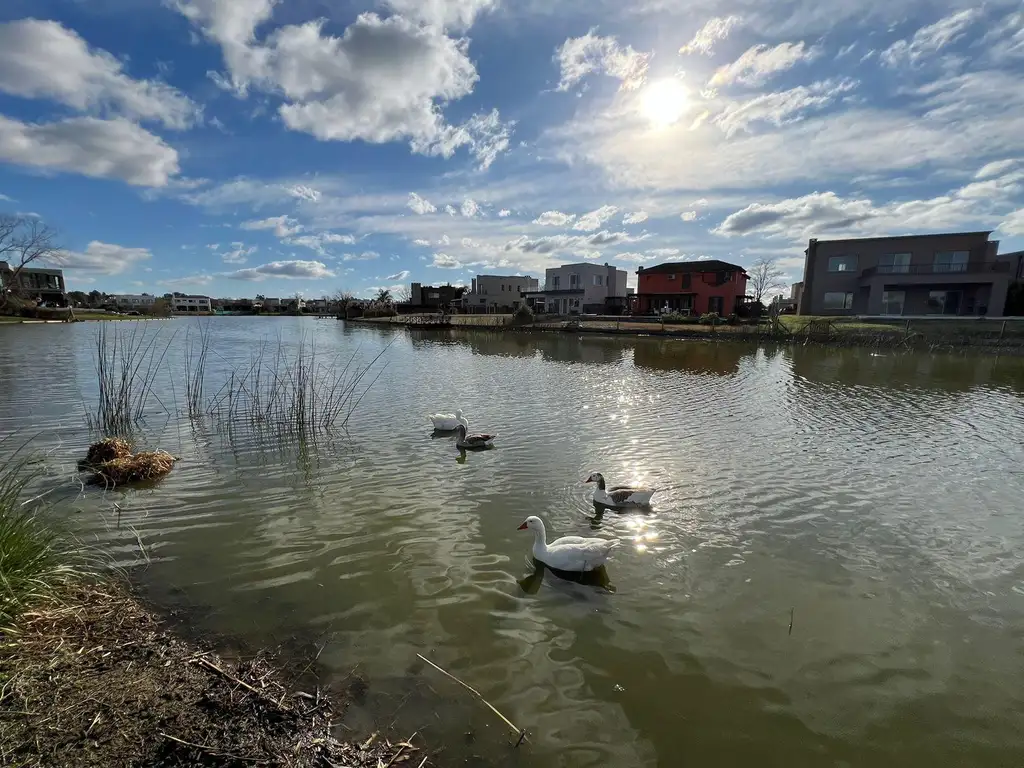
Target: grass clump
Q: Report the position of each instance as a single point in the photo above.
(127, 364)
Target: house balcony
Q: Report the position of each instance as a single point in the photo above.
(973, 271)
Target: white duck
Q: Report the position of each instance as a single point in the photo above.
(569, 553)
(620, 495)
(479, 440)
(447, 422)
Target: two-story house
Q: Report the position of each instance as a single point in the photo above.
(584, 288)
(690, 287)
(35, 283)
(496, 293)
(944, 274)
(434, 296)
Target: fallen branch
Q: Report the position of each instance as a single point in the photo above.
(521, 733)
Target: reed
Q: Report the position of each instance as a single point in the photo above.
(197, 350)
(127, 364)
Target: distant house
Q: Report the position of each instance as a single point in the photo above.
(496, 293)
(132, 301)
(36, 283)
(690, 287)
(584, 288)
(434, 296)
(183, 302)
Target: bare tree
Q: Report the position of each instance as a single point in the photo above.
(23, 240)
(764, 277)
(403, 296)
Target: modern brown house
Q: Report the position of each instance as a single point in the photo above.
(35, 283)
(946, 274)
(434, 296)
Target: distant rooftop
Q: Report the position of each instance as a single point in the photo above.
(707, 265)
(900, 237)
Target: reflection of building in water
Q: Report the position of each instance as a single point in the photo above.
(864, 367)
(571, 348)
(497, 343)
(722, 359)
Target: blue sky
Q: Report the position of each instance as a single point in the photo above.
(236, 147)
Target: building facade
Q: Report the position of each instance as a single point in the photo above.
(498, 293)
(131, 301)
(944, 274)
(182, 302)
(690, 287)
(585, 288)
(35, 283)
(434, 296)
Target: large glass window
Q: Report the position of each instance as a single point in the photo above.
(951, 261)
(894, 263)
(893, 302)
(838, 300)
(842, 264)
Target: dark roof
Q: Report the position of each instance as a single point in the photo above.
(707, 265)
(986, 233)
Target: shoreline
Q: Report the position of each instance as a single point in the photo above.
(937, 339)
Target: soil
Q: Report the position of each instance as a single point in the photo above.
(96, 679)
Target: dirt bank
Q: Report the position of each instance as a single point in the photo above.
(96, 679)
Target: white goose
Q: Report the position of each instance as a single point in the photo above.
(569, 553)
(620, 495)
(447, 422)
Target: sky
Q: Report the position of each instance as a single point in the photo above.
(282, 147)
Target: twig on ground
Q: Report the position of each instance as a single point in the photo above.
(519, 732)
(212, 750)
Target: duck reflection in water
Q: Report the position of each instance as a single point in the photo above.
(597, 577)
(600, 509)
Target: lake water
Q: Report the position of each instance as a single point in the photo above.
(873, 501)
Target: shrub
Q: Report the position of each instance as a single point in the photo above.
(523, 315)
(711, 318)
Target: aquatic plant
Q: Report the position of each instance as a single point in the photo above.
(127, 364)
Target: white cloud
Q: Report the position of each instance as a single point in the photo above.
(759, 63)
(1013, 224)
(470, 209)
(364, 256)
(717, 28)
(555, 219)
(444, 261)
(105, 258)
(504, 212)
(292, 270)
(282, 226)
(565, 243)
(399, 275)
(382, 80)
(588, 222)
(43, 59)
(632, 256)
(443, 240)
(302, 192)
(688, 215)
(238, 254)
(450, 14)
(316, 242)
(930, 39)
(664, 253)
(110, 149)
(450, 210)
(578, 57)
(782, 107)
(421, 242)
(637, 217)
(997, 168)
(189, 281)
(420, 205)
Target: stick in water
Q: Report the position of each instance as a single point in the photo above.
(520, 733)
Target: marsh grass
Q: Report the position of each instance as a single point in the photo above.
(197, 350)
(36, 559)
(127, 365)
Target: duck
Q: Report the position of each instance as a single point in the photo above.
(570, 553)
(478, 440)
(620, 495)
(447, 422)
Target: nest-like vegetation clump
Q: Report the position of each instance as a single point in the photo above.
(112, 462)
(107, 449)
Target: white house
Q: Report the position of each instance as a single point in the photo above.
(181, 302)
(493, 293)
(575, 289)
(133, 301)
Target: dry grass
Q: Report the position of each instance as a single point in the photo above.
(94, 679)
(135, 468)
(107, 449)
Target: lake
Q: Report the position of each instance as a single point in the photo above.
(832, 573)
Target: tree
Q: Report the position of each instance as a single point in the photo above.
(23, 240)
(764, 278)
(383, 296)
(403, 296)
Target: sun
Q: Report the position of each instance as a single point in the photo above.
(663, 102)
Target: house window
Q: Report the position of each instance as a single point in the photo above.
(951, 261)
(838, 300)
(944, 302)
(894, 264)
(685, 282)
(502, 287)
(574, 281)
(598, 280)
(893, 302)
(715, 304)
(842, 263)
(554, 282)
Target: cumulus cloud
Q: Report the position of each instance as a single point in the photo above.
(450, 14)
(106, 149)
(238, 254)
(759, 63)
(317, 242)
(302, 192)
(450, 210)
(1013, 224)
(555, 219)
(930, 39)
(384, 79)
(637, 217)
(364, 256)
(717, 28)
(282, 226)
(781, 107)
(420, 205)
(504, 212)
(399, 275)
(421, 242)
(470, 209)
(43, 59)
(444, 261)
(291, 270)
(688, 215)
(578, 57)
(104, 258)
(561, 243)
(588, 222)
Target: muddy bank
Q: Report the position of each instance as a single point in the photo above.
(95, 678)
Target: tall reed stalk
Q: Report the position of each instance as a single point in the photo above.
(127, 363)
(196, 352)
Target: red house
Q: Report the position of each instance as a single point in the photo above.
(692, 287)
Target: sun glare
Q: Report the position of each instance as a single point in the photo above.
(663, 102)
